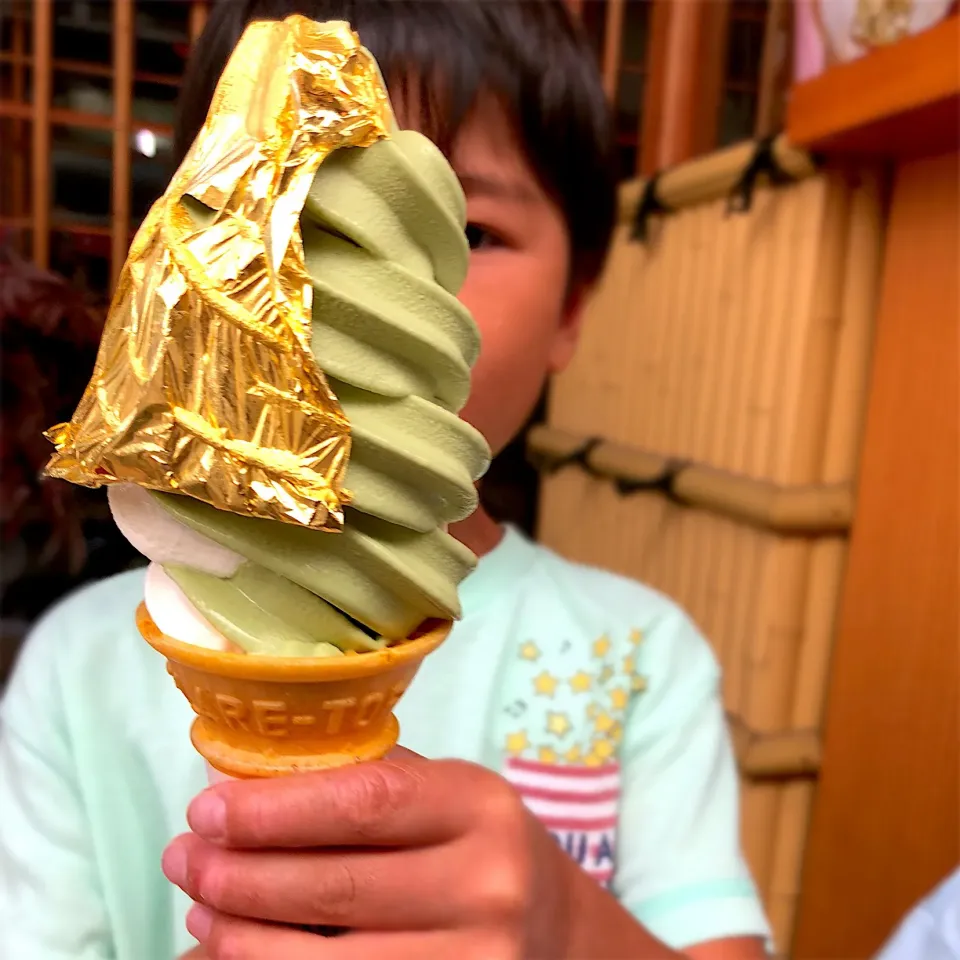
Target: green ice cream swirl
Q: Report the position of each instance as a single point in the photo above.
(383, 234)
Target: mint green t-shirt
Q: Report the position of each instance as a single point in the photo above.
(595, 696)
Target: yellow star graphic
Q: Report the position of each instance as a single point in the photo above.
(573, 754)
(619, 698)
(638, 684)
(547, 755)
(580, 682)
(629, 666)
(592, 760)
(601, 647)
(529, 651)
(603, 749)
(605, 674)
(604, 723)
(517, 742)
(545, 684)
(616, 734)
(636, 637)
(558, 723)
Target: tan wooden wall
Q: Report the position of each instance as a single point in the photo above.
(741, 342)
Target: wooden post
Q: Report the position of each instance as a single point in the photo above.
(612, 47)
(885, 827)
(14, 185)
(198, 19)
(688, 42)
(123, 46)
(40, 152)
(18, 172)
(775, 63)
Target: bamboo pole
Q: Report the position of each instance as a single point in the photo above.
(40, 153)
(790, 753)
(809, 353)
(845, 422)
(123, 55)
(644, 344)
(809, 509)
(670, 325)
(840, 455)
(712, 177)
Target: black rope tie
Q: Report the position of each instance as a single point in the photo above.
(763, 162)
(665, 482)
(650, 205)
(579, 457)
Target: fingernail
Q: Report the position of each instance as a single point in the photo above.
(174, 863)
(199, 922)
(207, 815)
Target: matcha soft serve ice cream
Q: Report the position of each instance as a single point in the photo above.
(275, 407)
(383, 235)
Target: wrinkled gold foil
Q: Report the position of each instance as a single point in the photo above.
(205, 384)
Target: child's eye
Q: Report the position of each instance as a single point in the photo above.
(480, 238)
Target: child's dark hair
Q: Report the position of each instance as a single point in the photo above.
(529, 53)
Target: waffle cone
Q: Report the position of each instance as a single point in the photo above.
(263, 716)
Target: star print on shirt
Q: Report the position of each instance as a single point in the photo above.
(545, 684)
(601, 647)
(604, 723)
(529, 651)
(573, 703)
(602, 750)
(558, 724)
(547, 755)
(580, 682)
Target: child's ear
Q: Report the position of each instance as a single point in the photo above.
(567, 335)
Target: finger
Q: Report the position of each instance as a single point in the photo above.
(359, 889)
(224, 937)
(384, 803)
(232, 938)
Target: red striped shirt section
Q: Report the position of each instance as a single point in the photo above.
(579, 805)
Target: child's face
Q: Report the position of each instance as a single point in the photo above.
(516, 287)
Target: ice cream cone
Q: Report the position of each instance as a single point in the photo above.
(260, 716)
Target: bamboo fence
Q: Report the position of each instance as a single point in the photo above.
(725, 360)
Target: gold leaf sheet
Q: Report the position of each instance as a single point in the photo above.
(205, 384)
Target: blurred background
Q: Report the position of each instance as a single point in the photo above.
(762, 421)
(89, 90)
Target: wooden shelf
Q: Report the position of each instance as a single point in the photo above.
(900, 101)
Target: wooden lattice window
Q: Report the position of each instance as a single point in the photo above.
(87, 91)
(87, 100)
(687, 76)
